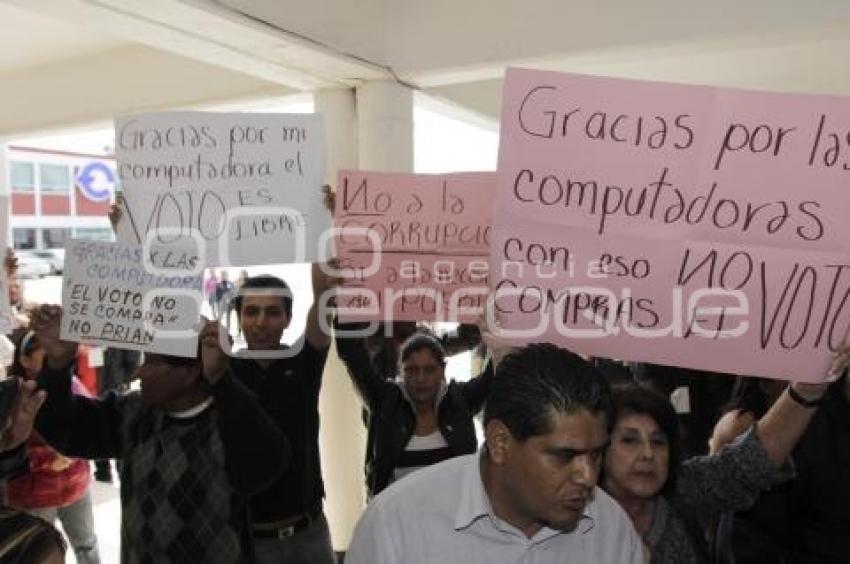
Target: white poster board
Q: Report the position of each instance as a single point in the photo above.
(120, 296)
(246, 187)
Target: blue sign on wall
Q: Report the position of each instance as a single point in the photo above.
(96, 181)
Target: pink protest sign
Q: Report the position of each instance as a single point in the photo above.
(674, 224)
(413, 247)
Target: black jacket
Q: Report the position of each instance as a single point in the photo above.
(13, 462)
(806, 520)
(190, 476)
(392, 420)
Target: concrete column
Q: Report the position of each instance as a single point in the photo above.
(342, 439)
(4, 170)
(385, 126)
(372, 129)
(339, 108)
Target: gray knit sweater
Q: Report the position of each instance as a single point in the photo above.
(707, 486)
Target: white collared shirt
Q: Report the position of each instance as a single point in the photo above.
(442, 515)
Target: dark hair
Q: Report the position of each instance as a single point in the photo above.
(27, 539)
(422, 341)
(540, 380)
(264, 281)
(636, 399)
(25, 342)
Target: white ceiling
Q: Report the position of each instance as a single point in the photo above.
(28, 39)
(177, 53)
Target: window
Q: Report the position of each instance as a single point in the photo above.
(54, 178)
(53, 238)
(21, 176)
(24, 238)
(94, 233)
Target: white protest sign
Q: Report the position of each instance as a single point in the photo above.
(245, 187)
(121, 296)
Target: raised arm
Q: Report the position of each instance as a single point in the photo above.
(465, 338)
(74, 425)
(19, 424)
(18, 427)
(476, 389)
(115, 213)
(352, 351)
(256, 452)
(787, 419)
(320, 314)
(734, 477)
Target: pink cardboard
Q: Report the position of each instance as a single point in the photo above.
(428, 258)
(683, 225)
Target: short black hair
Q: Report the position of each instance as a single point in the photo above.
(540, 380)
(637, 399)
(423, 341)
(264, 281)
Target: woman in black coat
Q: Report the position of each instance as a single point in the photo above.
(417, 419)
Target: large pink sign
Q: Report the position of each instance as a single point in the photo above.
(683, 225)
(413, 246)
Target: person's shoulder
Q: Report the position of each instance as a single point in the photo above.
(432, 488)
(129, 404)
(612, 536)
(607, 512)
(302, 356)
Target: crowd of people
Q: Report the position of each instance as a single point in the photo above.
(582, 460)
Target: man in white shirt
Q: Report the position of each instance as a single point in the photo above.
(529, 496)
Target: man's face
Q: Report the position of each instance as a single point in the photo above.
(163, 383)
(263, 320)
(548, 479)
(423, 375)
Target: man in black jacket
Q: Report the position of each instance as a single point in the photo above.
(194, 445)
(288, 520)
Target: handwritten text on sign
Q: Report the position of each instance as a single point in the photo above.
(674, 224)
(413, 246)
(121, 296)
(245, 186)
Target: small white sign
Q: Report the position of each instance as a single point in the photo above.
(122, 296)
